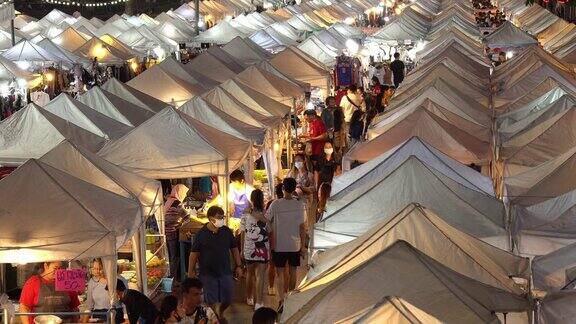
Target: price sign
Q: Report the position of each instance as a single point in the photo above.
(70, 280)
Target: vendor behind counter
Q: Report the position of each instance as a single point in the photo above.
(39, 294)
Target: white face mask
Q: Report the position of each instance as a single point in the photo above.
(299, 164)
(328, 151)
(219, 222)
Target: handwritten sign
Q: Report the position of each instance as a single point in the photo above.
(70, 280)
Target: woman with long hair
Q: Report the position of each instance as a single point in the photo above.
(256, 248)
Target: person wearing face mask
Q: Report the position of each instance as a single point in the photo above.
(211, 249)
(39, 294)
(304, 178)
(328, 166)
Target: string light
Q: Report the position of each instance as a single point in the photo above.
(87, 4)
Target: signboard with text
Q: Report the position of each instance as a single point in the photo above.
(70, 280)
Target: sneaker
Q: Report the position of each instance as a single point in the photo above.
(271, 291)
(256, 306)
(250, 301)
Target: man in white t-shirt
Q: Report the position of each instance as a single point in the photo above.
(193, 310)
(288, 230)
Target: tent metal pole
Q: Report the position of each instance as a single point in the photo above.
(197, 17)
(12, 32)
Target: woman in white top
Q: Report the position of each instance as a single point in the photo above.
(97, 297)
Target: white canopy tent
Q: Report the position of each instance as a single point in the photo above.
(33, 131)
(412, 179)
(404, 271)
(508, 35)
(115, 107)
(430, 234)
(300, 66)
(220, 34)
(29, 52)
(246, 51)
(85, 117)
(64, 220)
(210, 115)
(174, 145)
(70, 39)
(164, 86)
(134, 96)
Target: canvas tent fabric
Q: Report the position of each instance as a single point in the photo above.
(85, 165)
(228, 60)
(69, 39)
(210, 115)
(547, 180)
(412, 180)
(105, 53)
(294, 63)
(220, 34)
(27, 51)
(45, 196)
(114, 42)
(173, 145)
(320, 50)
(254, 115)
(64, 55)
(557, 308)
(273, 86)
(266, 66)
(85, 117)
(115, 107)
(246, 51)
(555, 271)
(508, 35)
(400, 270)
(164, 86)
(168, 30)
(132, 95)
(208, 64)
(9, 71)
(541, 137)
(430, 234)
(392, 310)
(258, 101)
(31, 132)
(370, 171)
(454, 142)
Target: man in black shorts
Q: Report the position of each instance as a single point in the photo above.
(288, 225)
(212, 248)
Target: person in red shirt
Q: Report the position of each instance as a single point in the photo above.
(340, 94)
(317, 134)
(39, 295)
